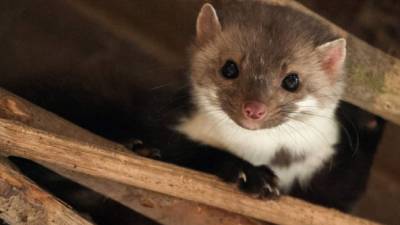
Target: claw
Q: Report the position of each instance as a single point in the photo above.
(137, 142)
(242, 176)
(268, 187)
(133, 144)
(277, 192)
(141, 149)
(156, 153)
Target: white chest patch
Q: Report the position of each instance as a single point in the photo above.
(312, 139)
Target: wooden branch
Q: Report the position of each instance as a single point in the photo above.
(19, 140)
(373, 76)
(24, 203)
(163, 209)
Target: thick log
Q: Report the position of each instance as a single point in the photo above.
(24, 203)
(373, 76)
(20, 140)
(161, 208)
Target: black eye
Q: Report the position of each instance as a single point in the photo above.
(230, 70)
(291, 82)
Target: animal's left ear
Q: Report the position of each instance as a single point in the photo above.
(332, 57)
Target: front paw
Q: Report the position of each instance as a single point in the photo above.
(256, 180)
(259, 180)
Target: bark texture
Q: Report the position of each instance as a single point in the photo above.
(24, 203)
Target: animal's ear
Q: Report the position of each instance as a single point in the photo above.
(332, 57)
(208, 25)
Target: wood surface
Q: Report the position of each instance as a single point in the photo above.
(24, 203)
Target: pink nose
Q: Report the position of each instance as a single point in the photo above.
(254, 110)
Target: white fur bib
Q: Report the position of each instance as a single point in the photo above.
(313, 139)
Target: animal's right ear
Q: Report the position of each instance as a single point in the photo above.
(332, 57)
(208, 25)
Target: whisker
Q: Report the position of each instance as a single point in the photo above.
(315, 130)
(298, 132)
(342, 127)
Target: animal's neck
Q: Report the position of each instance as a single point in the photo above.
(257, 147)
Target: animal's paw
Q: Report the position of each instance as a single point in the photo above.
(141, 149)
(259, 181)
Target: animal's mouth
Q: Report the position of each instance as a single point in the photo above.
(251, 124)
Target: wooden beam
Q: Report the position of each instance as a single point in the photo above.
(373, 76)
(20, 140)
(24, 203)
(163, 209)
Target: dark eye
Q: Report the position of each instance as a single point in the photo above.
(291, 82)
(230, 70)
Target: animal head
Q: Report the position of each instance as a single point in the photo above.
(261, 66)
